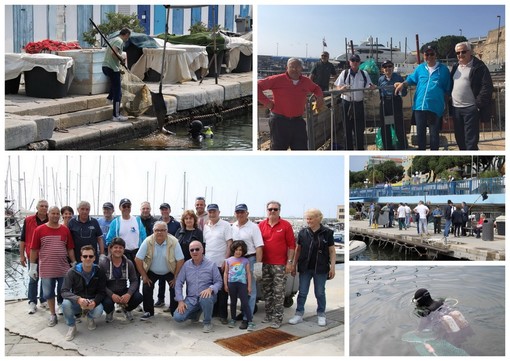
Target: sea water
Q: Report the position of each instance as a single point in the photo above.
(381, 311)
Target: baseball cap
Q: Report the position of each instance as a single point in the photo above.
(124, 201)
(213, 206)
(430, 49)
(108, 205)
(387, 63)
(241, 207)
(355, 57)
(164, 205)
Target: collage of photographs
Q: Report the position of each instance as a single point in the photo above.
(298, 179)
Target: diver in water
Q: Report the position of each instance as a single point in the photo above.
(440, 318)
(198, 132)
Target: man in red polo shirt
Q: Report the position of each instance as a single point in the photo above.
(279, 245)
(290, 92)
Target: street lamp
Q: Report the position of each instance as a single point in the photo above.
(497, 43)
(276, 49)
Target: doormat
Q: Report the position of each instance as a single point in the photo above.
(256, 341)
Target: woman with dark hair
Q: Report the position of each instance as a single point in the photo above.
(67, 213)
(457, 220)
(189, 232)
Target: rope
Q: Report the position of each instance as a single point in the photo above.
(218, 115)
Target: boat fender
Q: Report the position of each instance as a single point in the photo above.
(459, 319)
(449, 324)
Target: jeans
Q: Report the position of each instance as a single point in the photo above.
(205, 305)
(447, 226)
(423, 226)
(238, 290)
(48, 286)
(424, 119)
(253, 295)
(466, 124)
(134, 301)
(115, 93)
(71, 308)
(319, 287)
(32, 289)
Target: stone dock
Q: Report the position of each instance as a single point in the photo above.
(83, 122)
(462, 248)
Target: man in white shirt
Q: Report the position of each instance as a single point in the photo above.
(401, 213)
(353, 111)
(423, 211)
(218, 239)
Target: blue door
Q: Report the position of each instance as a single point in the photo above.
(244, 11)
(196, 15)
(213, 16)
(177, 21)
(104, 10)
(159, 19)
(144, 15)
(84, 13)
(23, 26)
(229, 17)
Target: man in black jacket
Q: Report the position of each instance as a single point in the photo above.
(83, 291)
(471, 96)
(448, 210)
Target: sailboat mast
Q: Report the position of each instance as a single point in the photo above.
(98, 185)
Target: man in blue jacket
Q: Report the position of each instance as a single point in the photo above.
(432, 80)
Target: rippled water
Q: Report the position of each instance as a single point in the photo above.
(16, 277)
(376, 252)
(381, 311)
(234, 134)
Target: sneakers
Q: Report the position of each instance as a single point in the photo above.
(71, 333)
(276, 325)
(109, 317)
(118, 308)
(244, 325)
(321, 321)
(231, 323)
(207, 328)
(59, 310)
(77, 318)
(32, 308)
(223, 321)
(44, 304)
(128, 315)
(53, 321)
(139, 308)
(91, 324)
(120, 118)
(251, 326)
(160, 303)
(166, 309)
(146, 316)
(296, 319)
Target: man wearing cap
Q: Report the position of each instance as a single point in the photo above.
(353, 81)
(159, 257)
(201, 212)
(106, 220)
(173, 228)
(390, 109)
(218, 239)
(322, 71)
(245, 230)
(129, 228)
(146, 217)
(279, 247)
(86, 230)
(290, 93)
(432, 80)
(471, 96)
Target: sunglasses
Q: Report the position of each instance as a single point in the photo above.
(388, 66)
(194, 250)
(461, 52)
(273, 209)
(430, 54)
(160, 230)
(87, 256)
(126, 206)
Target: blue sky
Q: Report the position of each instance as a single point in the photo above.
(298, 182)
(293, 27)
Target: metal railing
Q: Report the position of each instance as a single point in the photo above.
(326, 129)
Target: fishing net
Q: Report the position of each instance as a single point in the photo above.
(136, 96)
(426, 344)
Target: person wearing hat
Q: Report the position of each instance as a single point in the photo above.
(356, 80)
(106, 220)
(129, 228)
(173, 228)
(245, 230)
(471, 96)
(390, 110)
(290, 93)
(432, 80)
(322, 71)
(217, 240)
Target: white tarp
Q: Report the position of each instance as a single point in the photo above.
(15, 64)
(236, 46)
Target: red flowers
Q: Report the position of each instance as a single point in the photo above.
(47, 46)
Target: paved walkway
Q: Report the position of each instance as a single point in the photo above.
(28, 335)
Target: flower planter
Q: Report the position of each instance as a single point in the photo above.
(40, 83)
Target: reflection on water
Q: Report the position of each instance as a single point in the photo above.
(16, 277)
(234, 134)
(381, 311)
(376, 252)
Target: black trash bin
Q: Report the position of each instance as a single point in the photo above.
(488, 230)
(500, 225)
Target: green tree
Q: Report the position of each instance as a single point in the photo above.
(114, 22)
(445, 46)
(199, 27)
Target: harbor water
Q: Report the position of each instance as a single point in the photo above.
(233, 134)
(16, 277)
(381, 308)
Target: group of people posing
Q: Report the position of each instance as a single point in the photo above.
(91, 266)
(464, 92)
(455, 217)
